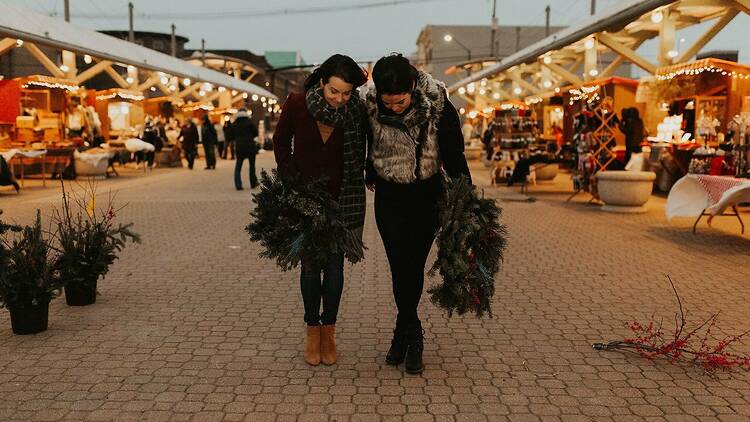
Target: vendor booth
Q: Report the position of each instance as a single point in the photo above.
(121, 112)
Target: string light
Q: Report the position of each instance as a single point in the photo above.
(50, 84)
(19, 42)
(696, 68)
(87, 59)
(121, 94)
(462, 90)
(533, 100)
(589, 93)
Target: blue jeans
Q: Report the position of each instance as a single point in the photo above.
(238, 171)
(329, 290)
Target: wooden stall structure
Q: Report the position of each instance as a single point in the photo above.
(121, 112)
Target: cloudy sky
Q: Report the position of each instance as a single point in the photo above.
(364, 29)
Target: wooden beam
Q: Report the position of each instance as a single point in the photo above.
(93, 71)
(627, 52)
(564, 73)
(192, 89)
(707, 36)
(667, 35)
(148, 83)
(516, 77)
(609, 70)
(7, 44)
(44, 60)
(743, 5)
(116, 77)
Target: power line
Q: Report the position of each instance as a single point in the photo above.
(246, 14)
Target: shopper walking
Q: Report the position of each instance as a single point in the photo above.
(189, 137)
(631, 126)
(328, 126)
(244, 132)
(221, 144)
(415, 132)
(209, 138)
(230, 148)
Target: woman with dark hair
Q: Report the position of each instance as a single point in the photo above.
(631, 126)
(322, 134)
(416, 133)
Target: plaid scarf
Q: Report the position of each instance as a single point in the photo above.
(349, 118)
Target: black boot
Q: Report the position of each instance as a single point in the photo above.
(397, 351)
(414, 348)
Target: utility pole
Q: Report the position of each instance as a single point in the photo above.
(131, 34)
(203, 51)
(547, 11)
(493, 50)
(174, 41)
(593, 7)
(67, 10)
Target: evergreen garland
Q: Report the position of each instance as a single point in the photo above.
(470, 242)
(293, 219)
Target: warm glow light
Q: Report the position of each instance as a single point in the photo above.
(153, 89)
(129, 80)
(263, 99)
(255, 97)
(19, 43)
(517, 90)
(557, 90)
(473, 114)
(244, 95)
(657, 17)
(593, 72)
(186, 81)
(483, 82)
(462, 110)
(470, 88)
(482, 91)
(87, 59)
(672, 54)
(547, 84)
(462, 90)
(64, 68)
(589, 44)
(202, 93)
(234, 92)
(222, 89)
(547, 59)
(496, 95)
(448, 37)
(164, 80)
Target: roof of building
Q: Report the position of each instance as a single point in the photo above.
(279, 59)
(37, 28)
(119, 33)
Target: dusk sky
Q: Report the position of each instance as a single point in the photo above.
(318, 28)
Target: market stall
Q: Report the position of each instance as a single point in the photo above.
(121, 112)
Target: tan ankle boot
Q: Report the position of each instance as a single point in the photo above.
(328, 344)
(312, 345)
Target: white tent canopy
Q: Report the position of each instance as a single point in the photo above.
(37, 28)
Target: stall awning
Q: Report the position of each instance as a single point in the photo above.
(27, 25)
(612, 19)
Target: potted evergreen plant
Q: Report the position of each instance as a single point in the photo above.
(28, 280)
(88, 244)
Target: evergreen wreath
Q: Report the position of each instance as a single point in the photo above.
(471, 242)
(292, 219)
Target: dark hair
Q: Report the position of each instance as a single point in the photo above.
(394, 75)
(338, 65)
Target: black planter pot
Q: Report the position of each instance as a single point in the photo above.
(29, 319)
(81, 294)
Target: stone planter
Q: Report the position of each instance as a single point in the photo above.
(546, 172)
(625, 191)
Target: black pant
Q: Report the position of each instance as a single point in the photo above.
(190, 155)
(407, 219)
(238, 171)
(222, 147)
(210, 150)
(231, 148)
(329, 290)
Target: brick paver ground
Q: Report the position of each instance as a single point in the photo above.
(191, 325)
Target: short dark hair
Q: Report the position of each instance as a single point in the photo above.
(340, 66)
(394, 74)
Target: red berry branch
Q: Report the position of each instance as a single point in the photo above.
(696, 346)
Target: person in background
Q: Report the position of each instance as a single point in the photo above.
(231, 146)
(243, 133)
(189, 138)
(221, 143)
(467, 130)
(631, 126)
(209, 138)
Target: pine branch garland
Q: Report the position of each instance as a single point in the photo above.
(471, 242)
(293, 219)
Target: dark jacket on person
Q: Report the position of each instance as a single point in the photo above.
(243, 133)
(299, 147)
(208, 133)
(228, 131)
(631, 126)
(189, 136)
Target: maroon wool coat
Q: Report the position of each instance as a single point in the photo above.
(300, 150)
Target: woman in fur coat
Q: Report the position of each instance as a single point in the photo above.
(416, 134)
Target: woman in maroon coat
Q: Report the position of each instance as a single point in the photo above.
(321, 134)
